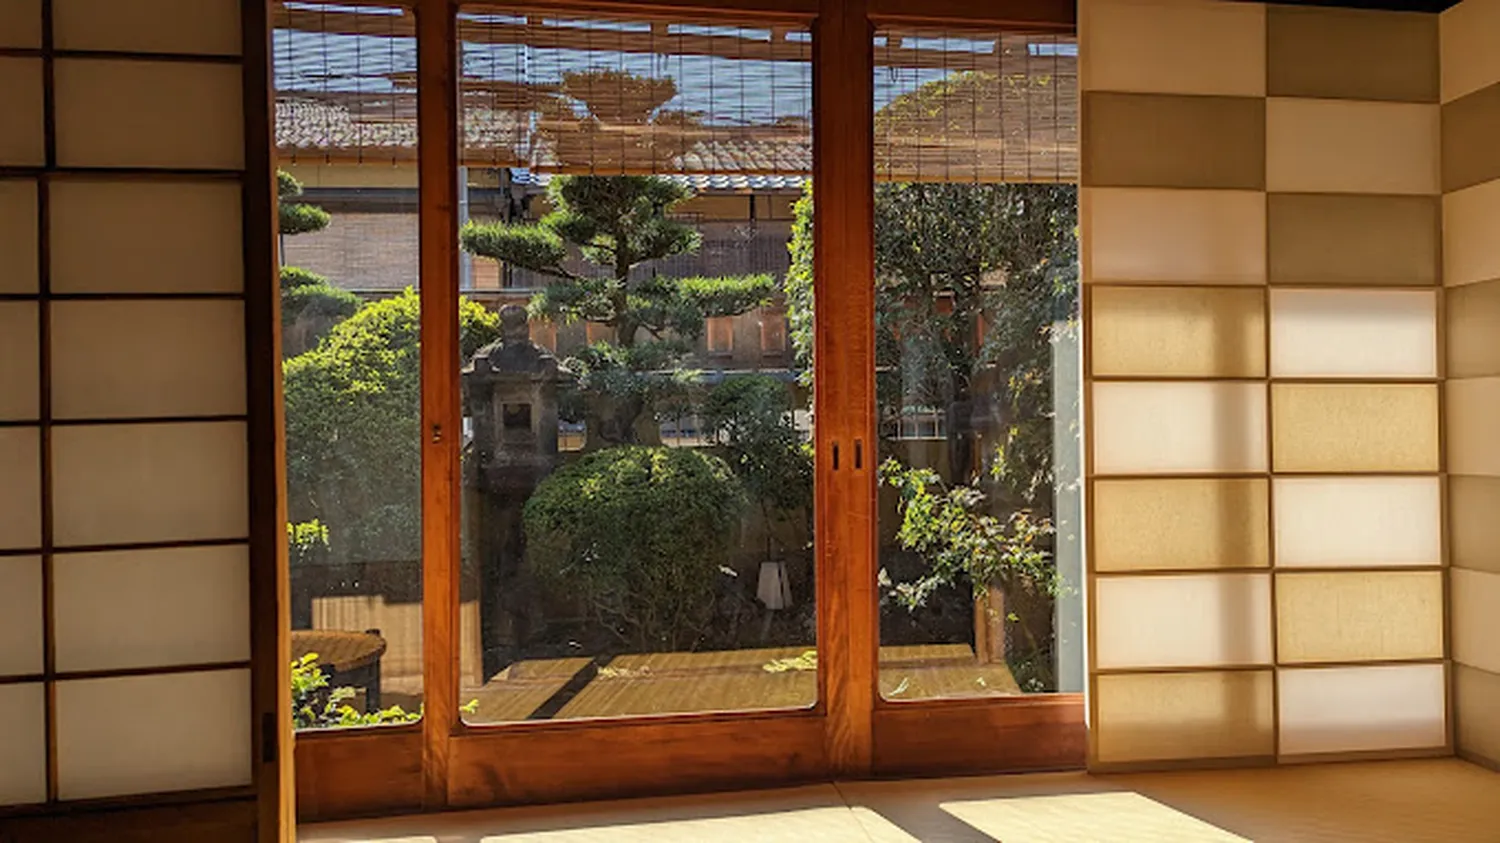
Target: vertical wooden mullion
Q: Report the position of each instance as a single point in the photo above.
(437, 131)
(844, 362)
(270, 592)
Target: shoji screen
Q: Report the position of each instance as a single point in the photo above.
(124, 565)
(1260, 224)
(1471, 269)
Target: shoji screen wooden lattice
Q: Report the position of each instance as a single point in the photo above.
(125, 629)
(1260, 218)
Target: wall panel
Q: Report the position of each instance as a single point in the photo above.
(1314, 426)
(126, 416)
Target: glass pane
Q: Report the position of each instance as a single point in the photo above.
(637, 464)
(978, 364)
(346, 139)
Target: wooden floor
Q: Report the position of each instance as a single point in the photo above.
(731, 680)
(1441, 801)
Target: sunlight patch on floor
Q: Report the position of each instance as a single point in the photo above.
(1081, 817)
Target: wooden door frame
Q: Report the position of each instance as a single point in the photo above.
(851, 732)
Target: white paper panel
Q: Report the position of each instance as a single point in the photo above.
(1145, 236)
(1173, 47)
(1353, 333)
(1471, 252)
(1336, 522)
(202, 27)
(108, 237)
(21, 23)
(1476, 619)
(1352, 709)
(116, 484)
(1471, 414)
(153, 734)
(22, 132)
(111, 608)
(166, 358)
(23, 744)
(18, 232)
(20, 487)
(1354, 616)
(20, 615)
(1203, 620)
(1168, 716)
(1166, 428)
(20, 375)
(111, 113)
(1348, 146)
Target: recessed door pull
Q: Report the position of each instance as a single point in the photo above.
(859, 454)
(835, 456)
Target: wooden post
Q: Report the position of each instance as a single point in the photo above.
(438, 119)
(844, 398)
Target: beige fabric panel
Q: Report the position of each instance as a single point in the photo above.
(109, 113)
(1470, 126)
(126, 735)
(107, 236)
(1362, 709)
(20, 376)
(1473, 406)
(1159, 140)
(1178, 716)
(1355, 428)
(122, 484)
(1174, 47)
(22, 133)
(1185, 332)
(1180, 524)
(23, 753)
(168, 359)
(1475, 537)
(18, 236)
(1473, 337)
(1354, 334)
(1325, 239)
(1471, 252)
(21, 645)
(1476, 621)
(198, 27)
(1469, 58)
(1359, 616)
(1188, 620)
(107, 609)
(1351, 54)
(1476, 703)
(20, 488)
(21, 24)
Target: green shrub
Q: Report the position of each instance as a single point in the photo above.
(353, 428)
(317, 302)
(316, 706)
(641, 535)
(751, 418)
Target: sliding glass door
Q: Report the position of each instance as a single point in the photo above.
(675, 400)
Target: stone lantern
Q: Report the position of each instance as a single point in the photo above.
(510, 393)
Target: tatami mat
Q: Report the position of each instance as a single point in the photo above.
(1442, 801)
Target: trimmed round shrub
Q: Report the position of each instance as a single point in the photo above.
(641, 535)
